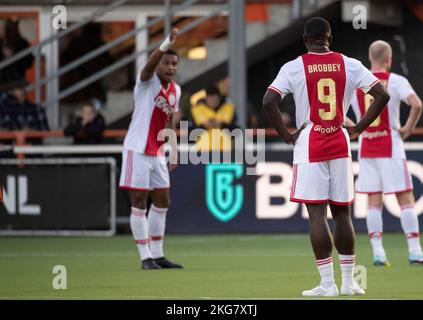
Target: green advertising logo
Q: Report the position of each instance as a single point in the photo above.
(223, 198)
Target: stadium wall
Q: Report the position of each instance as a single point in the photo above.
(259, 203)
(206, 198)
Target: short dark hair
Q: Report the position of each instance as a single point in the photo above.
(212, 90)
(317, 28)
(88, 103)
(172, 52)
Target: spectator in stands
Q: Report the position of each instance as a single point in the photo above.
(214, 113)
(88, 128)
(12, 42)
(17, 113)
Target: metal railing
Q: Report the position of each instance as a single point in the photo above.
(36, 50)
(128, 59)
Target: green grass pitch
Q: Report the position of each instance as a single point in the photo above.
(216, 266)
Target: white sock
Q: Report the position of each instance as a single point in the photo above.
(375, 230)
(347, 264)
(139, 228)
(325, 267)
(410, 226)
(156, 224)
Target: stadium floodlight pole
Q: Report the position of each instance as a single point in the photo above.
(168, 17)
(237, 60)
(297, 9)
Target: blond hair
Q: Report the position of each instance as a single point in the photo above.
(379, 51)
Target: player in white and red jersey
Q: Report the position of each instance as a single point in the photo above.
(144, 166)
(383, 165)
(323, 83)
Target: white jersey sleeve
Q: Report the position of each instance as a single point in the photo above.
(363, 77)
(402, 87)
(282, 83)
(153, 81)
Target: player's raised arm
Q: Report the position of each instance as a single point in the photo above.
(270, 107)
(381, 98)
(416, 110)
(153, 61)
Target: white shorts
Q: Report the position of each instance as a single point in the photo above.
(387, 175)
(320, 182)
(143, 172)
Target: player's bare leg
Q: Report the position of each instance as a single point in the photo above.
(139, 228)
(375, 228)
(321, 241)
(157, 225)
(320, 236)
(410, 226)
(344, 238)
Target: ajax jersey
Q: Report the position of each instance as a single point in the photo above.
(153, 108)
(322, 85)
(382, 139)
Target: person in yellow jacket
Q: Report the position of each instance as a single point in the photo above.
(210, 114)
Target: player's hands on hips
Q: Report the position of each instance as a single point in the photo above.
(295, 135)
(405, 132)
(353, 132)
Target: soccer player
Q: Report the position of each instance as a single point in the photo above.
(144, 168)
(383, 165)
(322, 83)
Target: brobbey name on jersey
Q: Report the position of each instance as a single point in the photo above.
(324, 67)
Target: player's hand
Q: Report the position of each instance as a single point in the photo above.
(296, 134)
(353, 132)
(404, 133)
(173, 34)
(173, 163)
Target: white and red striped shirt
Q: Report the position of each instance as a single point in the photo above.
(382, 139)
(153, 107)
(322, 85)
